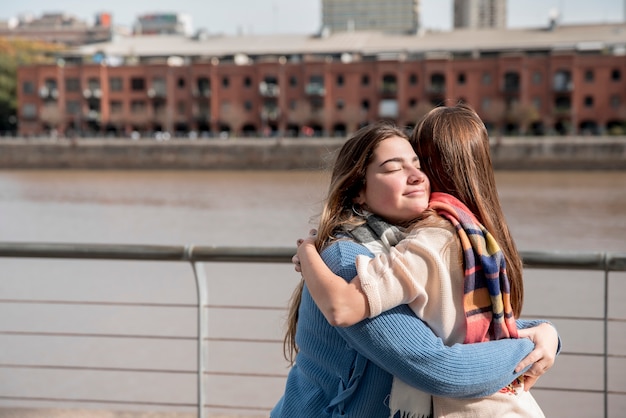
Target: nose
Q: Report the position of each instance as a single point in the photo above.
(416, 176)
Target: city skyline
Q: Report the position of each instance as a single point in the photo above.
(304, 16)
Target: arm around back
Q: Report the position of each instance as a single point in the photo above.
(342, 302)
(404, 346)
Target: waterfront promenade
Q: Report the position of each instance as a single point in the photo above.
(509, 153)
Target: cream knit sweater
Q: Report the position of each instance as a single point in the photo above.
(425, 271)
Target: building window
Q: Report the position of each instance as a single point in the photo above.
(159, 109)
(204, 87)
(412, 103)
(28, 88)
(615, 101)
(340, 80)
(293, 81)
(563, 81)
(589, 76)
(486, 79)
(390, 84)
(93, 83)
(72, 107)
(537, 77)
(365, 80)
(388, 108)
(181, 83)
(137, 106)
(365, 105)
(247, 105)
(225, 82)
(413, 79)
(563, 104)
(512, 82)
(247, 82)
(537, 103)
(461, 78)
(159, 87)
(317, 103)
(116, 107)
(137, 84)
(315, 87)
(49, 91)
(588, 101)
(72, 85)
(293, 104)
(340, 104)
(29, 111)
(486, 103)
(437, 83)
(181, 108)
(616, 75)
(116, 84)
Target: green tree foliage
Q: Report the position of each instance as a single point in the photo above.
(15, 52)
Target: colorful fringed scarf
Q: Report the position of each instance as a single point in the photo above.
(487, 291)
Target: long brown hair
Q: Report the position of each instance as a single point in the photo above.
(346, 182)
(453, 146)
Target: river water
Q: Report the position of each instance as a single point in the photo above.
(569, 211)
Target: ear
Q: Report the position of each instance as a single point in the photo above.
(360, 198)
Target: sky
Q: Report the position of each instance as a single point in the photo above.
(232, 17)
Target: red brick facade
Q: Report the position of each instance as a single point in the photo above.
(567, 93)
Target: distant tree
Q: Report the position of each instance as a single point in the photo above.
(523, 115)
(14, 53)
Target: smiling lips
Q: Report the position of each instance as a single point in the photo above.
(415, 192)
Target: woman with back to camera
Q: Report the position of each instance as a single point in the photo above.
(349, 371)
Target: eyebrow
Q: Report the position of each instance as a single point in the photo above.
(397, 160)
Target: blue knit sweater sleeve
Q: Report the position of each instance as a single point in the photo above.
(404, 346)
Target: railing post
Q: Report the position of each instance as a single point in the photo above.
(203, 327)
(605, 319)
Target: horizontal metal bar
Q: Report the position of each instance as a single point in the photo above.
(532, 259)
(146, 252)
(92, 251)
(95, 401)
(574, 260)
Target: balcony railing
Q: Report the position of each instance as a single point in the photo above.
(267, 89)
(196, 256)
(315, 89)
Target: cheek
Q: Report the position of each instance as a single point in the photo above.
(382, 198)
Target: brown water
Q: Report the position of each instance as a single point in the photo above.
(569, 211)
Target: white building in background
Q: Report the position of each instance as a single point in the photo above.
(389, 16)
(164, 24)
(480, 14)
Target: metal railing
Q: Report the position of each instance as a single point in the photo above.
(197, 255)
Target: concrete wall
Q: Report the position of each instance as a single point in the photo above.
(600, 153)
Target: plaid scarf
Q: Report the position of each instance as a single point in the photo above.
(487, 291)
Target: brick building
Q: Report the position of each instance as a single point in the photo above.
(59, 28)
(568, 80)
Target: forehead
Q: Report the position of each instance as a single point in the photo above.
(393, 147)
